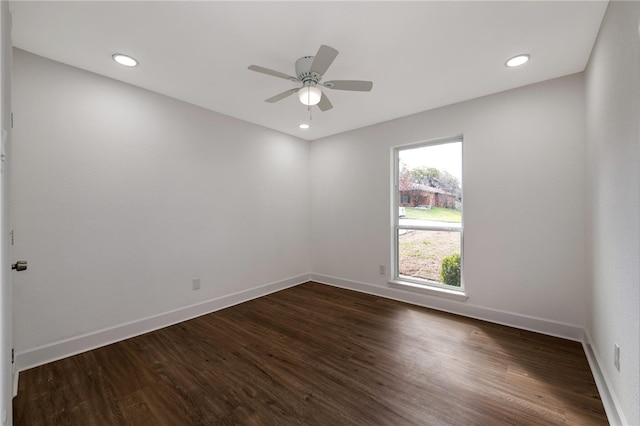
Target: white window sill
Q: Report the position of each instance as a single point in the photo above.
(432, 291)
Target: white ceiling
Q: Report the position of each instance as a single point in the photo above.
(420, 55)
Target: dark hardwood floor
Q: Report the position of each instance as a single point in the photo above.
(318, 355)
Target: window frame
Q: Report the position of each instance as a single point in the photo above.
(419, 284)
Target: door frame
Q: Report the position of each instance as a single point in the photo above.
(6, 294)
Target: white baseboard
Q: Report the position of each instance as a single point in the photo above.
(539, 325)
(68, 347)
(607, 395)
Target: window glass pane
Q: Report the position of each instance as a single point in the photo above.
(424, 254)
(430, 177)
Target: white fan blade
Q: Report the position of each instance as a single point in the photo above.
(357, 85)
(324, 103)
(323, 59)
(282, 95)
(274, 73)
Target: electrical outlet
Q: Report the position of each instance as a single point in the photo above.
(195, 284)
(382, 270)
(616, 356)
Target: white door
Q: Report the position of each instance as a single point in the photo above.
(6, 298)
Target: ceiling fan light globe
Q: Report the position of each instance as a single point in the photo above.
(310, 95)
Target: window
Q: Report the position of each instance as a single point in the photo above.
(428, 238)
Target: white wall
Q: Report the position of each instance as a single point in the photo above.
(121, 196)
(613, 112)
(524, 218)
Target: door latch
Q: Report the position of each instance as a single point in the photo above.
(20, 265)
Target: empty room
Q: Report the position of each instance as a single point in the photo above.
(320, 213)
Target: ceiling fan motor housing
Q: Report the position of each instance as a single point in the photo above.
(303, 71)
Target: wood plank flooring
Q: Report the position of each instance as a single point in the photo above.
(318, 355)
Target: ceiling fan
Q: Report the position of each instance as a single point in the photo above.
(309, 71)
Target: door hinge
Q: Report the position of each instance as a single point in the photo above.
(13, 356)
(12, 237)
(12, 120)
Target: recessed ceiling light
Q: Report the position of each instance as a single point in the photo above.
(125, 60)
(303, 126)
(516, 61)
